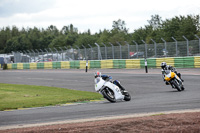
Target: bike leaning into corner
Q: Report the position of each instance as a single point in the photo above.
(171, 77)
(111, 90)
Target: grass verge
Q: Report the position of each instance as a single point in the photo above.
(14, 96)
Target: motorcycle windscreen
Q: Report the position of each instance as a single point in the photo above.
(99, 82)
(169, 75)
(167, 72)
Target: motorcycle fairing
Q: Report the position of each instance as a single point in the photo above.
(101, 84)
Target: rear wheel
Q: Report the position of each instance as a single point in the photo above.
(109, 95)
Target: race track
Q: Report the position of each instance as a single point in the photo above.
(148, 91)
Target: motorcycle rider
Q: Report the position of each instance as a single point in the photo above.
(107, 78)
(104, 77)
(164, 67)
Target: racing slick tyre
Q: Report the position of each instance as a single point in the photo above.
(109, 95)
(127, 96)
(182, 88)
(176, 85)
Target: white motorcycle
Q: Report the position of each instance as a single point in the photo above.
(111, 90)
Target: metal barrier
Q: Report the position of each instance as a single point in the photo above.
(178, 62)
(109, 51)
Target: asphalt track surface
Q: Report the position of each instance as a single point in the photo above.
(148, 91)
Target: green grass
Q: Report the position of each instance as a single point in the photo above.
(14, 96)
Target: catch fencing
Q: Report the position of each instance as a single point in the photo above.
(109, 51)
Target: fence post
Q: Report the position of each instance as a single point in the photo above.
(85, 52)
(42, 54)
(112, 50)
(99, 51)
(105, 50)
(176, 45)
(78, 52)
(199, 42)
(145, 48)
(67, 54)
(34, 54)
(38, 53)
(72, 52)
(155, 47)
(187, 45)
(165, 45)
(24, 52)
(51, 53)
(120, 50)
(91, 51)
(29, 55)
(128, 49)
(62, 52)
(47, 53)
(57, 54)
(136, 47)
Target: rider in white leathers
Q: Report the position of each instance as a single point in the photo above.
(107, 78)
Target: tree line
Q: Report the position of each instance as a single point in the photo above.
(15, 39)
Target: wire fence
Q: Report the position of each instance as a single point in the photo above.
(127, 51)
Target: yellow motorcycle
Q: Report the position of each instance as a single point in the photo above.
(172, 78)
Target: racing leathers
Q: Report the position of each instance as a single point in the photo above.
(108, 78)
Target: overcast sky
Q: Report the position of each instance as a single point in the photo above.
(91, 14)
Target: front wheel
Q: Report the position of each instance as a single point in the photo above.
(109, 95)
(127, 96)
(182, 88)
(176, 84)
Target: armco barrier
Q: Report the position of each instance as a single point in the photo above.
(26, 66)
(119, 63)
(178, 62)
(130, 64)
(151, 63)
(197, 62)
(75, 64)
(106, 64)
(83, 64)
(65, 65)
(48, 65)
(184, 62)
(20, 66)
(40, 65)
(95, 64)
(169, 61)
